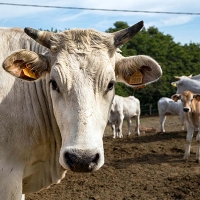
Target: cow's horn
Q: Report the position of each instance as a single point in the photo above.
(123, 36)
(42, 37)
(177, 77)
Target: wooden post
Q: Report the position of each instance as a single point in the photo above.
(150, 109)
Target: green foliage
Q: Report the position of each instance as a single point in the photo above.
(174, 58)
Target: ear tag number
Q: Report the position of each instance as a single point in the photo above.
(136, 78)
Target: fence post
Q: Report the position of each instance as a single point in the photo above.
(150, 109)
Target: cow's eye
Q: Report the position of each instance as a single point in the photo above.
(54, 85)
(110, 85)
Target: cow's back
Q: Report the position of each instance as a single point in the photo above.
(168, 106)
(131, 107)
(12, 40)
(188, 84)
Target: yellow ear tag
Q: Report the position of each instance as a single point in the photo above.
(136, 78)
(174, 84)
(29, 73)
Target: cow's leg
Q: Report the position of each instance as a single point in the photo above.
(23, 197)
(198, 147)
(162, 122)
(113, 130)
(190, 131)
(119, 129)
(137, 125)
(182, 123)
(129, 126)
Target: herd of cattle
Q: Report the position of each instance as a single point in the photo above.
(57, 96)
(185, 103)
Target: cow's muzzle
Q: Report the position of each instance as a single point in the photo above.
(185, 109)
(82, 161)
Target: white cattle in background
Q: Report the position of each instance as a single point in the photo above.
(190, 83)
(124, 108)
(191, 108)
(56, 91)
(167, 106)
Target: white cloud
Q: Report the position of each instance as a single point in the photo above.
(73, 17)
(170, 21)
(176, 20)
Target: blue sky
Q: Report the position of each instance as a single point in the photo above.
(183, 28)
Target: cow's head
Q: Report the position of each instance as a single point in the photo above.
(179, 85)
(186, 98)
(182, 83)
(83, 66)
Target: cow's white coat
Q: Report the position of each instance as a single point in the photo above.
(167, 106)
(124, 108)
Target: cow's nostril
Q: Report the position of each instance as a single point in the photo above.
(96, 159)
(94, 162)
(69, 159)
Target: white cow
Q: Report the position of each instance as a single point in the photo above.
(191, 108)
(55, 99)
(191, 83)
(124, 108)
(167, 106)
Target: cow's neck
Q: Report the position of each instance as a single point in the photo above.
(35, 130)
(46, 154)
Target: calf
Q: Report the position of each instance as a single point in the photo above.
(167, 106)
(191, 108)
(124, 108)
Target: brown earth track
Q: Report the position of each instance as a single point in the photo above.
(145, 167)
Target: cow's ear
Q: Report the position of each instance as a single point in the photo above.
(176, 97)
(137, 71)
(26, 64)
(174, 84)
(197, 97)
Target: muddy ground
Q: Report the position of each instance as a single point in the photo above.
(145, 167)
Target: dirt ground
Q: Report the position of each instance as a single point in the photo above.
(146, 167)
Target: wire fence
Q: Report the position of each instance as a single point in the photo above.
(99, 9)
